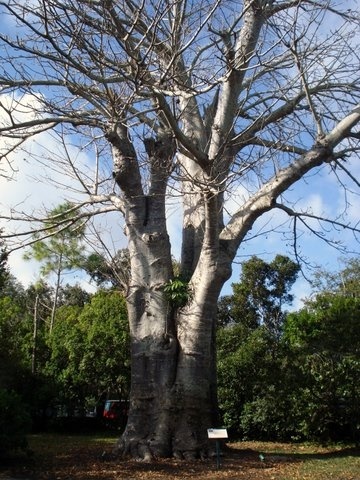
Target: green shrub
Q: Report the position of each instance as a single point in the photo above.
(14, 422)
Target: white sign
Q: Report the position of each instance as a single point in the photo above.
(217, 433)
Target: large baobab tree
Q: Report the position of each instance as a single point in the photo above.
(198, 97)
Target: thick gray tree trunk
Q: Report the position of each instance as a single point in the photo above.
(173, 387)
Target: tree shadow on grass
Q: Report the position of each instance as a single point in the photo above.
(330, 454)
(82, 462)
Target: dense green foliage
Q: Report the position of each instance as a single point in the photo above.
(298, 381)
(325, 337)
(260, 295)
(281, 375)
(4, 271)
(59, 246)
(90, 351)
(177, 292)
(14, 421)
(14, 417)
(65, 371)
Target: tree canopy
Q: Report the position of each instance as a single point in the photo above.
(301, 384)
(259, 297)
(61, 249)
(89, 348)
(83, 362)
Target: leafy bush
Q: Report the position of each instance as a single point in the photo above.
(177, 292)
(14, 422)
(300, 381)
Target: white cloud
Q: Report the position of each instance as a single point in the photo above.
(32, 185)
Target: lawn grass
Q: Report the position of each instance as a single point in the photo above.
(343, 464)
(308, 461)
(79, 457)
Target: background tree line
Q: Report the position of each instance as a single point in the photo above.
(290, 376)
(63, 351)
(280, 375)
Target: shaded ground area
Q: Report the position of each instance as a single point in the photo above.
(60, 457)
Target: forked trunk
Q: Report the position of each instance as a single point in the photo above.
(173, 379)
(173, 386)
(173, 389)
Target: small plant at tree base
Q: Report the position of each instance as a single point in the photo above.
(177, 292)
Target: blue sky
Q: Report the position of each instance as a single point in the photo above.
(29, 189)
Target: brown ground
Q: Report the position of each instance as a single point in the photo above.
(240, 461)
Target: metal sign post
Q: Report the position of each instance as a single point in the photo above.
(217, 434)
